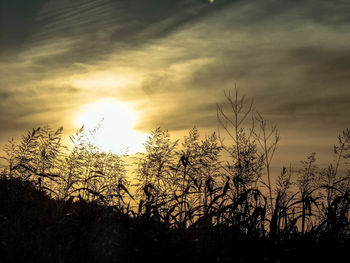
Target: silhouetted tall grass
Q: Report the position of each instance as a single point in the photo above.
(198, 199)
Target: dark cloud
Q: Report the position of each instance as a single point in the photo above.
(322, 65)
(18, 20)
(96, 25)
(335, 13)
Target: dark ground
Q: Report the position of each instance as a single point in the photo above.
(36, 228)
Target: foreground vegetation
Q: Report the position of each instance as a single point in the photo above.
(201, 199)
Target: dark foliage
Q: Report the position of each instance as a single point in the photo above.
(36, 228)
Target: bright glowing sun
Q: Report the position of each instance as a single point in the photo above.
(116, 133)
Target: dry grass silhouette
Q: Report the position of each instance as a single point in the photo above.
(69, 205)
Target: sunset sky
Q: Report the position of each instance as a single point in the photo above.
(168, 62)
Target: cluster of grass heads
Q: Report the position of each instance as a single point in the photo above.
(199, 199)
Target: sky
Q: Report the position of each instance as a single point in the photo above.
(170, 61)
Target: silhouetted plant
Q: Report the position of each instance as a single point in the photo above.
(285, 219)
(244, 165)
(200, 169)
(154, 172)
(268, 140)
(10, 158)
(93, 174)
(36, 157)
(334, 189)
(307, 186)
(200, 199)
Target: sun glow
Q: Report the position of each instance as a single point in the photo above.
(117, 119)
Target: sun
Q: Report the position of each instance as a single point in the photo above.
(117, 133)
